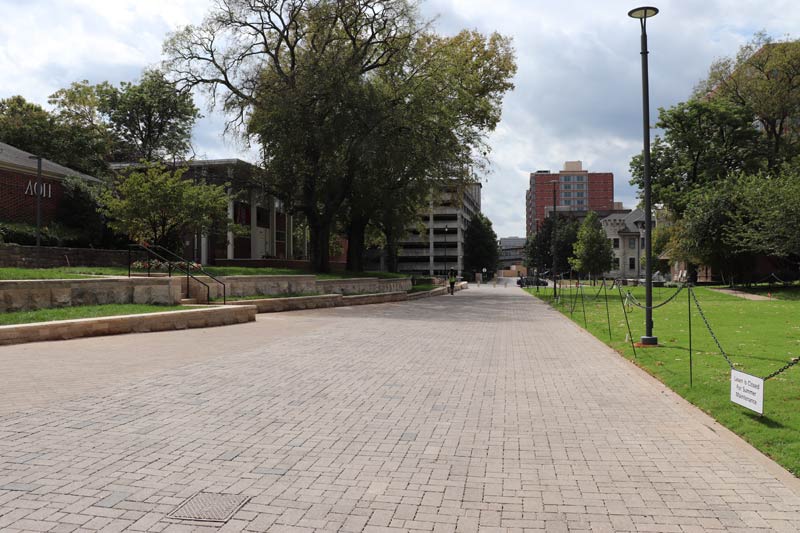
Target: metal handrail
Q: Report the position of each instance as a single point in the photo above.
(201, 269)
(171, 265)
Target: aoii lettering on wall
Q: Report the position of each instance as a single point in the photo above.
(34, 189)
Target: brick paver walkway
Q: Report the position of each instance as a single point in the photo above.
(484, 410)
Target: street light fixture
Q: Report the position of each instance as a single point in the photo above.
(643, 13)
(38, 192)
(553, 241)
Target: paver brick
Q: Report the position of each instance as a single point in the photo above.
(483, 411)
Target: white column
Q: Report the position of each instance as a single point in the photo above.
(253, 226)
(273, 222)
(204, 249)
(289, 237)
(230, 233)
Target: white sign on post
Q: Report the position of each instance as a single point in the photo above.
(747, 391)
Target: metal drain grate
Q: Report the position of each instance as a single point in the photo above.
(209, 507)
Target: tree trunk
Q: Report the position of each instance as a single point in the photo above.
(320, 246)
(356, 232)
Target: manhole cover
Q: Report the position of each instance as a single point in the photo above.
(209, 507)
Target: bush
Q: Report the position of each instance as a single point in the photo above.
(52, 235)
(164, 266)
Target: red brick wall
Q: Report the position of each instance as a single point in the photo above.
(17, 206)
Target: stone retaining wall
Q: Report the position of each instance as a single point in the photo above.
(382, 298)
(363, 285)
(28, 295)
(277, 305)
(242, 286)
(14, 255)
(116, 325)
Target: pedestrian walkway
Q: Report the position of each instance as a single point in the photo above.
(484, 410)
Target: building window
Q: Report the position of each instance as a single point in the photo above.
(579, 186)
(632, 243)
(580, 202)
(615, 244)
(566, 178)
(566, 194)
(580, 194)
(616, 263)
(579, 178)
(631, 263)
(567, 202)
(643, 242)
(566, 186)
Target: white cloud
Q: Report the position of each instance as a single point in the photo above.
(578, 86)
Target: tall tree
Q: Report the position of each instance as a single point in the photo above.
(151, 120)
(318, 83)
(156, 205)
(481, 249)
(704, 142)
(764, 79)
(592, 253)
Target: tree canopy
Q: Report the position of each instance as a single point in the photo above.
(592, 253)
(356, 105)
(481, 249)
(156, 205)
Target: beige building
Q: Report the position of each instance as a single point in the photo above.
(436, 244)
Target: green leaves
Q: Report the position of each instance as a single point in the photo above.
(592, 253)
(156, 205)
(480, 245)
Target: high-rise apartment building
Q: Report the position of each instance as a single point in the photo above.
(576, 190)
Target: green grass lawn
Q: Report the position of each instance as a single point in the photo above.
(38, 273)
(759, 337)
(79, 272)
(423, 287)
(778, 292)
(85, 311)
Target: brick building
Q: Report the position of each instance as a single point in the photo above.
(576, 190)
(19, 188)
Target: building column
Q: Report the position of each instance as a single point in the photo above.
(204, 249)
(431, 247)
(289, 237)
(273, 222)
(229, 236)
(253, 226)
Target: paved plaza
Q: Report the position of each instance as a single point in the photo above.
(480, 411)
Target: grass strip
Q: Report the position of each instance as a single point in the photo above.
(759, 337)
(79, 272)
(83, 311)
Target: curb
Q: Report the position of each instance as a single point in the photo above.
(119, 325)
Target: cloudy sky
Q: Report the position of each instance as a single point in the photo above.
(578, 92)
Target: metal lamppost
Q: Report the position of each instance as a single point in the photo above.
(643, 13)
(446, 228)
(553, 242)
(38, 192)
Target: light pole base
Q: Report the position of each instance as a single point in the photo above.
(648, 341)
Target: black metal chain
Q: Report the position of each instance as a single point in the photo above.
(635, 302)
(708, 326)
(786, 367)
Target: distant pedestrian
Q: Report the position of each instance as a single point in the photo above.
(451, 277)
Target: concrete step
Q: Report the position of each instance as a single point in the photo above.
(188, 301)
